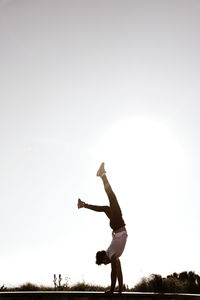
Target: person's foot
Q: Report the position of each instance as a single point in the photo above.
(80, 203)
(101, 170)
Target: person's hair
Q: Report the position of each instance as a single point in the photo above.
(100, 256)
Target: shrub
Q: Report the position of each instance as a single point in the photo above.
(185, 282)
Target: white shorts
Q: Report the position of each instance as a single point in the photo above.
(117, 245)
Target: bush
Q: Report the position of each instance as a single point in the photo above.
(82, 286)
(30, 287)
(185, 282)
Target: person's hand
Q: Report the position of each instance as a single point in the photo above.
(108, 293)
(80, 203)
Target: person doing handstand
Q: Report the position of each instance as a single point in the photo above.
(119, 233)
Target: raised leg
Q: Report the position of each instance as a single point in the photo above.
(111, 195)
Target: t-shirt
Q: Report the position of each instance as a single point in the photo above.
(117, 245)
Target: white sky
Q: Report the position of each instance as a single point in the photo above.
(89, 81)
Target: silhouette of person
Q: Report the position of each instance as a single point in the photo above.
(119, 233)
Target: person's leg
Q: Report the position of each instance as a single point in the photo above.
(111, 196)
(98, 208)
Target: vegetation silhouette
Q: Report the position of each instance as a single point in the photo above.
(185, 282)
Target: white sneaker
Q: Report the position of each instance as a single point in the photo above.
(101, 170)
(80, 203)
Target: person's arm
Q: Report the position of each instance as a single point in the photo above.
(119, 275)
(113, 275)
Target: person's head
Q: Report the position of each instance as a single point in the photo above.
(102, 258)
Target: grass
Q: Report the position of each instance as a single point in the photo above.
(185, 282)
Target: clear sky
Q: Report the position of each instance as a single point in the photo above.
(86, 81)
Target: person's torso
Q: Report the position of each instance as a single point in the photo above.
(116, 219)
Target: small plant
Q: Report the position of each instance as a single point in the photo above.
(55, 281)
(59, 280)
(3, 288)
